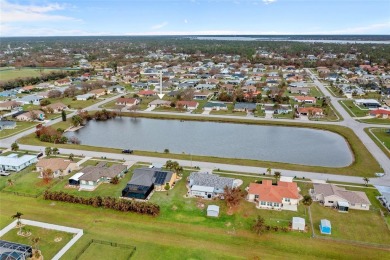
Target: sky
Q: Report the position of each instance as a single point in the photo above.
(193, 17)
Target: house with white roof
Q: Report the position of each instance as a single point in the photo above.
(13, 162)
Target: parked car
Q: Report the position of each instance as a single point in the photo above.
(39, 155)
(127, 151)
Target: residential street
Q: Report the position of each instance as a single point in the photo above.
(348, 121)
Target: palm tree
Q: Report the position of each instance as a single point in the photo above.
(277, 176)
(307, 200)
(18, 215)
(366, 180)
(71, 156)
(14, 146)
(10, 182)
(269, 170)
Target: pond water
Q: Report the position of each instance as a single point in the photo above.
(267, 143)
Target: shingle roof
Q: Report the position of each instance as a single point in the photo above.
(53, 163)
(351, 196)
(148, 176)
(210, 180)
(93, 173)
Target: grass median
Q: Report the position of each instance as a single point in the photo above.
(364, 163)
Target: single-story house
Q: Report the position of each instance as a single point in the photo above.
(5, 124)
(298, 223)
(9, 105)
(127, 102)
(192, 105)
(310, 111)
(297, 85)
(57, 107)
(380, 113)
(299, 90)
(283, 196)
(8, 93)
(13, 162)
(325, 227)
(31, 116)
(159, 103)
(116, 89)
(147, 93)
(208, 185)
(306, 99)
(215, 106)
(201, 95)
(244, 107)
(145, 180)
(99, 92)
(59, 166)
(212, 211)
(85, 96)
(75, 179)
(331, 195)
(95, 175)
(62, 82)
(30, 99)
(368, 103)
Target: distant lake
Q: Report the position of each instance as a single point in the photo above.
(241, 38)
(267, 143)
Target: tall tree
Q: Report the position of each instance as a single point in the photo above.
(14, 146)
(48, 151)
(307, 200)
(277, 176)
(366, 180)
(47, 175)
(63, 115)
(232, 196)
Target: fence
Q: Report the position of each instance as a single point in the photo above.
(113, 244)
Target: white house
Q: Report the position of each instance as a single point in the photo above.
(13, 162)
(85, 96)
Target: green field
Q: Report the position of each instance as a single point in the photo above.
(20, 127)
(101, 251)
(352, 109)
(182, 231)
(384, 138)
(379, 121)
(23, 73)
(47, 245)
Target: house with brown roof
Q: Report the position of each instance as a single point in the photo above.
(56, 107)
(330, 195)
(9, 105)
(129, 102)
(283, 196)
(147, 93)
(315, 112)
(59, 166)
(31, 116)
(62, 82)
(159, 103)
(191, 105)
(99, 92)
(93, 176)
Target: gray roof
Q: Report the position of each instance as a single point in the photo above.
(7, 123)
(350, 196)
(210, 180)
(93, 173)
(147, 176)
(215, 104)
(245, 105)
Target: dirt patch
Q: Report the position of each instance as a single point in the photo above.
(174, 208)
(58, 239)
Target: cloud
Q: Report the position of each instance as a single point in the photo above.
(10, 12)
(159, 26)
(267, 2)
(185, 21)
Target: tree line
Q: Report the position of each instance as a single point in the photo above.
(146, 208)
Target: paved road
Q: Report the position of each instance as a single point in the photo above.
(348, 121)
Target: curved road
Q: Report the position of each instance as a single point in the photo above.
(348, 121)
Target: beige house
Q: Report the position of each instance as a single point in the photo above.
(333, 196)
(57, 107)
(31, 116)
(9, 105)
(99, 92)
(59, 166)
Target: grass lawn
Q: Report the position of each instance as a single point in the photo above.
(14, 177)
(74, 104)
(47, 245)
(100, 251)
(379, 121)
(6, 75)
(354, 225)
(335, 92)
(103, 190)
(364, 165)
(352, 109)
(183, 232)
(20, 127)
(384, 138)
(315, 92)
(28, 183)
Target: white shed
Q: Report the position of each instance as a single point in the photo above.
(298, 223)
(213, 211)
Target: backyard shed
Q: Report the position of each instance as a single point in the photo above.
(325, 227)
(213, 211)
(74, 180)
(298, 223)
